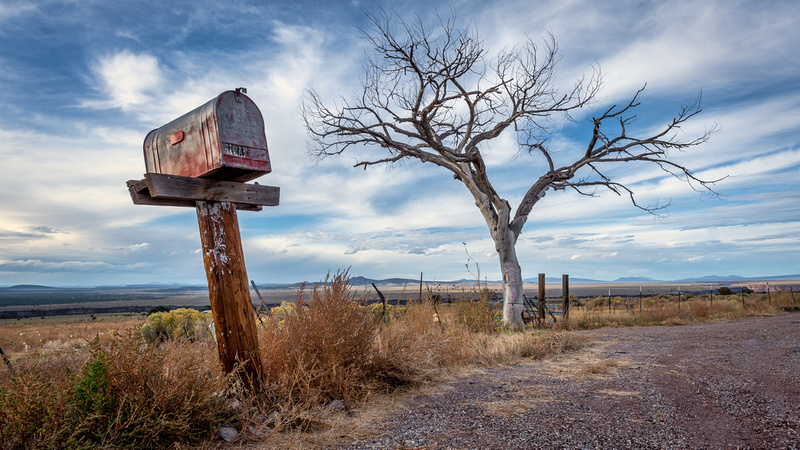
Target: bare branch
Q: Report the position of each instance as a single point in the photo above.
(433, 94)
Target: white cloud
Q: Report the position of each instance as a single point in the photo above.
(136, 247)
(127, 79)
(9, 10)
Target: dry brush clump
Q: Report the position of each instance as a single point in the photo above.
(328, 346)
(126, 394)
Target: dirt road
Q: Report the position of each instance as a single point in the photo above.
(713, 385)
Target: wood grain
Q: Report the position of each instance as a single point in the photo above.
(228, 289)
(173, 190)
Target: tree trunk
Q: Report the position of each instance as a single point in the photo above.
(512, 280)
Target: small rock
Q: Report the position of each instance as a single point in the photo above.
(234, 405)
(273, 420)
(227, 434)
(336, 405)
(260, 431)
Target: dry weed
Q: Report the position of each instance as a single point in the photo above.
(125, 394)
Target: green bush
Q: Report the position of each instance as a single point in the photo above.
(93, 386)
(180, 323)
(724, 290)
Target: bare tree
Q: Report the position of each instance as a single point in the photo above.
(431, 93)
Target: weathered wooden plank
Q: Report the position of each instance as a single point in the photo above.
(173, 186)
(228, 290)
(141, 195)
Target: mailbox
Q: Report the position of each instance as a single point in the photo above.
(223, 139)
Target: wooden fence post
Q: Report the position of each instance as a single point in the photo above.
(640, 300)
(565, 292)
(419, 300)
(228, 290)
(541, 298)
(383, 300)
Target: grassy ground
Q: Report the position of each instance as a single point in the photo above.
(117, 383)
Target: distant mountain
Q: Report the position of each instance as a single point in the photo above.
(635, 280)
(711, 278)
(29, 288)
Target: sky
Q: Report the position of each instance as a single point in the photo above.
(84, 81)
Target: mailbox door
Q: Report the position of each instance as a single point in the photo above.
(243, 144)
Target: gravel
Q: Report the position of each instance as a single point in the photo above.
(712, 385)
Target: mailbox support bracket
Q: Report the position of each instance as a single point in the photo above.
(173, 190)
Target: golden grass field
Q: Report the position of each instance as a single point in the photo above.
(105, 381)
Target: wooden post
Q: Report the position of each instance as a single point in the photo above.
(383, 300)
(6, 360)
(541, 298)
(228, 289)
(565, 292)
(794, 302)
(260, 302)
(419, 299)
(609, 300)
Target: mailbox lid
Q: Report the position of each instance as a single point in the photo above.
(222, 139)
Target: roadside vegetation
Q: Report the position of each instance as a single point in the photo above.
(157, 383)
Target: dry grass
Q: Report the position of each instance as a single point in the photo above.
(666, 310)
(91, 385)
(122, 394)
(17, 337)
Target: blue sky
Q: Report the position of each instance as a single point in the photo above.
(84, 81)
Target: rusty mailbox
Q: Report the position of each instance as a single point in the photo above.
(223, 139)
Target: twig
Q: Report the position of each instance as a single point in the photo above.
(383, 300)
(261, 301)
(6, 360)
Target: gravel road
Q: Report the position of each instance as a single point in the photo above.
(713, 385)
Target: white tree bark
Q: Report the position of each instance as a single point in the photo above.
(512, 280)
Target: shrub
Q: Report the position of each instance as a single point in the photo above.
(724, 290)
(322, 351)
(180, 323)
(126, 394)
(477, 316)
